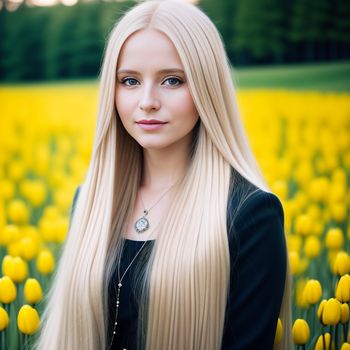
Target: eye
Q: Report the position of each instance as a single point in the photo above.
(132, 81)
(173, 81)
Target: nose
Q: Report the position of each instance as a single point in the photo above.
(149, 100)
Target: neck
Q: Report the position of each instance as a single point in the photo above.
(162, 168)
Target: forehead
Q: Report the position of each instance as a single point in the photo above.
(148, 48)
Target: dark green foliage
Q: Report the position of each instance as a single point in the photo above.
(67, 42)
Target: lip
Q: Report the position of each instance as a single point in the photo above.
(150, 125)
(151, 121)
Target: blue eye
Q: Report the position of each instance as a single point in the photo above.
(130, 80)
(173, 81)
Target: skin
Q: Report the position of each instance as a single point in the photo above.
(148, 93)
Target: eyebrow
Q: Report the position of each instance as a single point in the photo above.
(162, 71)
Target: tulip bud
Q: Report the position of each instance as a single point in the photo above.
(303, 225)
(301, 332)
(344, 313)
(18, 211)
(294, 261)
(341, 264)
(8, 291)
(4, 319)
(331, 312)
(32, 291)
(28, 320)
(345, 346)
(312, 247)
(279, 332)
(342, 292)
(320, 310)
(45, 262)
(19, 269)
(319, 343)
(334, 239)
(312, 292)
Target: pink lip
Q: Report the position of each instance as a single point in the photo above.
(151, 124)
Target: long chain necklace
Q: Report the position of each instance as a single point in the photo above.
(142, 224)
(120, 279)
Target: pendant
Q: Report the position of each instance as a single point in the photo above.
(141, 225)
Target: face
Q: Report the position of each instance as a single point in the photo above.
(152, 95)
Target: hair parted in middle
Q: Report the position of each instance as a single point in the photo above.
(184, 284)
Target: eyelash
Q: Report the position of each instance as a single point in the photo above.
(180, 81)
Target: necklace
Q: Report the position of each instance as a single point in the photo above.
(117, 292)
(142, 224)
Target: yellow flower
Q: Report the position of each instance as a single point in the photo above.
(341, 264)
(32, 291)
(45, 262)
(320, 310)
(294, 261)
(10, 233)
(345, 346)
(319, 189)
(29, 248)
(312, 291)
(7, 189)
(16, 268)
(8, 291)
(342, 291)
(303, 225)
(4, 319)
(279, 332)
(301, 332)
(338, 211)
(312, 247)
(344, 313)
(319, 343)
(331, 312)
(334, 239)
(18, 211)
(28, 320)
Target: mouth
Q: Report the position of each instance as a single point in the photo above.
(150, 122)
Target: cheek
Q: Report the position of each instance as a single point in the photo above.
(187, 109)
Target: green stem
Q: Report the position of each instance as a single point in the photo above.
(336, 337)
(323, 339)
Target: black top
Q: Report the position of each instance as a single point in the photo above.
(258, 269)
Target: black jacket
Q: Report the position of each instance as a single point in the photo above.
(258, 269)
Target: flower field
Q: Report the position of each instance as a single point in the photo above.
(301, 140)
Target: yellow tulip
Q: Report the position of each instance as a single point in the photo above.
(303, 225)
(28, 320)
(334, 239)
(45, 262)
(312, 247)
(32, 291)
(320, 310)
(331, 312)
(7, 189)
(16, 268)
(294, 261)
(345, 346)
(301, 332)
(279, 332)
(341, 264)
(312, 291)
(8, 291)
(62, 225)
(342, 291)
(29, 248)
(338, 211)
(319, 189)
(319, 343)
(344, 313)
(10, 233)
(18, 211)
(16, 170)
(4, 319)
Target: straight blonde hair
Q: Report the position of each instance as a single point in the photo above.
(187, 275)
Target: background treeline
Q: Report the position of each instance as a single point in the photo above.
(67, 42)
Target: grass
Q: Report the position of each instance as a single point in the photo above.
(334, 76)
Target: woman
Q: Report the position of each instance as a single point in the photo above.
(176, 241)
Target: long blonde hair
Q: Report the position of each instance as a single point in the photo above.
(187, 275)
